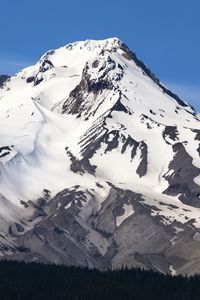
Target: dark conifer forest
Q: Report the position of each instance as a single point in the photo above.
(21, 281)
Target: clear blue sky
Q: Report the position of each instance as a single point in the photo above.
(164, 34)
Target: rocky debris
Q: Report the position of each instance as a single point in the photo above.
(66, 236)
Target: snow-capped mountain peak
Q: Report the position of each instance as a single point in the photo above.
(94, 153)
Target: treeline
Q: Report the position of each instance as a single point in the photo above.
(21, 281)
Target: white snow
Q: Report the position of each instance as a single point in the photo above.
(173, 272)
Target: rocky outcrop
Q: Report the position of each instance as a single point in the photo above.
(3, 79)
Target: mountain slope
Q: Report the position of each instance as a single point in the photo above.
(99, 163)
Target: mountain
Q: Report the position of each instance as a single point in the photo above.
(99, 164)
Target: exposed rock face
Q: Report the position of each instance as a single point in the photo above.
(3, 78)
(99, 164)
(181, 180)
